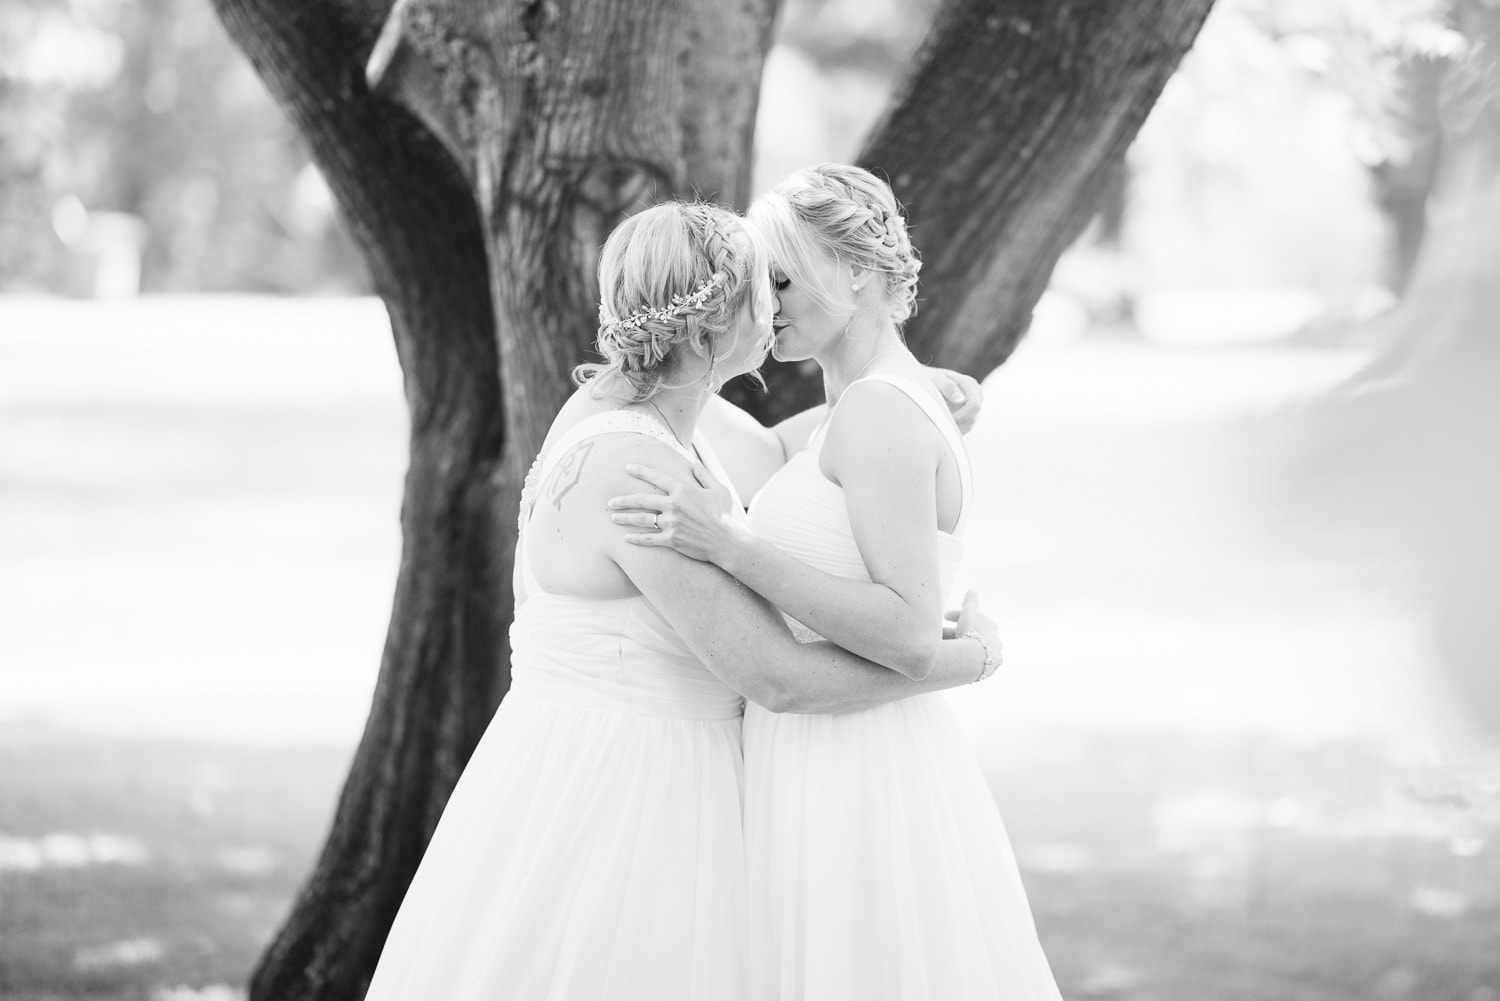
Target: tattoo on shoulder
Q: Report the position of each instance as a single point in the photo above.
(567, 474)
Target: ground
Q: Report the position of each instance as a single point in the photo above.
(1221, 742)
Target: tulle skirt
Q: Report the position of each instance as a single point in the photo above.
(878, 866)
(585, 854)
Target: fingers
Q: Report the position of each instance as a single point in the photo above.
(636, 519)
(970, 608)
(969, 603)
(951, 390)
(966, 408)
(648, 541)
(643, 502)
(658, 479)
(703, 476)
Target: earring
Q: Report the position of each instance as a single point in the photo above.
(854, 286)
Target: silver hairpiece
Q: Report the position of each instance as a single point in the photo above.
(679, 306)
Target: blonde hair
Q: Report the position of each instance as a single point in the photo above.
(849, 214)
(649, 271)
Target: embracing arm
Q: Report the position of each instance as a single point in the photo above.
(798, 428)
(745, 642)
(845, 683)
(749, 452)
(886, 461)
(882, 452)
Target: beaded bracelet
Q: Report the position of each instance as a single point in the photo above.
(991, 660)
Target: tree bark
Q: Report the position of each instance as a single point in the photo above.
(564, 119)
(443, 668)
(1002, 142)
(1403, 182)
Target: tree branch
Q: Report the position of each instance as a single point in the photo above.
(1000, 142)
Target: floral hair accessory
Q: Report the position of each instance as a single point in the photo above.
(680, 305)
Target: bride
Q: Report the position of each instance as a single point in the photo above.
(593, 848)
(878, 864)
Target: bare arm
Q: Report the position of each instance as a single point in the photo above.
(739, 636)
(750, 452)
(798, 428)
(886, 456)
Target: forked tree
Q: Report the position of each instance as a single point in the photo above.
(480, 152)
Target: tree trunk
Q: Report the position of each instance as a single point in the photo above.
(555, 120)
(479, 170)
(564, 119)
(1444, 407)
(442, 671)
(1404, 181)
(1000, 144)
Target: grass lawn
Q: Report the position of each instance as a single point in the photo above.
(130, 866)
(1158, 867)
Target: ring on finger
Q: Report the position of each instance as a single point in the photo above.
(656, 521)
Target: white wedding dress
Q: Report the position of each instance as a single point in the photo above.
(593, 848)
(879, 869)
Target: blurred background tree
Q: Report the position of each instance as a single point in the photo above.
(1407, 444)
(138, 153)
(145, 110)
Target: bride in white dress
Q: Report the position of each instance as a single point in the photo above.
(878, 865)
(593, 848)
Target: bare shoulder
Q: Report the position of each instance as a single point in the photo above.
(875, 421)
(594, 468)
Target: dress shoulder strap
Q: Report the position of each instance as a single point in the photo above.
(943, 420)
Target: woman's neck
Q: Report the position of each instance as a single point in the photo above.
(680, 409)
(857, 355)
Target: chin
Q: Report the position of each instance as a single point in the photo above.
(782, 352)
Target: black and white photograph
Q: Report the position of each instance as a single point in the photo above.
(750, 500)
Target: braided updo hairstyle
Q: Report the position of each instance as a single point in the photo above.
(849, 214)
(672, 250)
